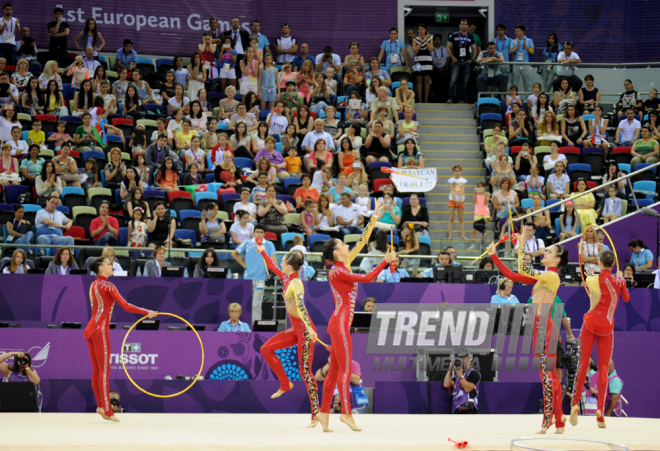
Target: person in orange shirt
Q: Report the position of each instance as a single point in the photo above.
(167, 178)
(306, 192)
(293, 162)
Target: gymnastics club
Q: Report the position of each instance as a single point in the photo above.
(387, 170)
(392, 267)
(502, 240)
(259, 242)
(459, 443)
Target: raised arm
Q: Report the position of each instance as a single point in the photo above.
(506, 271)
(299, 292)
(114, 294)
(271, 264)
(346, 276)
(364, 239)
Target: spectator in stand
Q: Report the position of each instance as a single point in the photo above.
(354, 78)
(212, 229)
(407, 128)
(548, 128)
(563, 97)
(573, 128)
(386, 274)
(137, 228)
(18, 263)
(62, 263)
(245, 205)
(234, 324)
(653, 103)
(550, 53)
(642, 257)
(520, 50)
(645, 149)
(276, 158)
(535, 182)
(19, 230)
(90, 38)
(167, 177)
(589, 95)
(9, 166)
(505, 199)
(27, 48)
(104, 229)
(383, 99)
(491, 73)
(241, 230)
(503, 170)
(157, 152)
(486, 263)
(629, 130)
(629, 99)
(300, 59)
(263, 166)
(597, 130)
(161, 227)
(533, 245)
(542, 106)
(378, 143)
(391, 214)
(422, 47)
(208, 258)
(306, 192)
(521, 130)
(585, 205)
(255, 267)
(228, 174)
(503, 295)
(409, 245)
(51, 223)
(48, 183)
(115, 170)
(348, 216)
(341, 188)
(312, 137)
(393, 50)
(460, 46)
(286, 46)
(566, 69)
(271, 213)
(416, 214)
(376, 71)
(154, 268)
(525, 160)
(126, 56)
(490, 143)
(66, 167)
(568, 221)
(58, 30)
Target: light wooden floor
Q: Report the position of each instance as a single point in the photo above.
(71, 431)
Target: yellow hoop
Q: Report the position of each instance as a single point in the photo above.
(140, 388)
(616, 258)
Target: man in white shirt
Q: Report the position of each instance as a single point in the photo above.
(626, 134)
(566, 68)
(51, 225)
(532, 245)
(348, 216)
(9, 26)
(11, 95)
(329, 59)
(286, 45)
(89, 62)
(441, 70)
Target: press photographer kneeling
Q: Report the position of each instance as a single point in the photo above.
(20, 371)
(464, 385)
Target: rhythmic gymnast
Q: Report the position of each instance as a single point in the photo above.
(598, 326)
(302, 331)
(344, 290)
(103, 295)
(545, 284)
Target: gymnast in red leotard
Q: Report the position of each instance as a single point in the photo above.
(103, 295)
(598, 326)
(546, 283)
(344, 289)
(302, 331)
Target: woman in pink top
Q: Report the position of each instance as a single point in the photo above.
(286, 76)
(305, 80)
(320, 153)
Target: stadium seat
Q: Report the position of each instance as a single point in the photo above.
(646, 187)
(287, 240)
(646, 175)
(186, 234)
(579, 170)
(594, 157)
(622, 154)
(317, 241)
(12, 192)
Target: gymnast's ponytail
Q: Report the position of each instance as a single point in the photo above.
(295, 259)
(562, 253)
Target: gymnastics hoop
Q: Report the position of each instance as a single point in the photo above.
(569, 439)
(123, 364)
(580, 252)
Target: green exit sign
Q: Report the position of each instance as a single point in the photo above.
(442, 18)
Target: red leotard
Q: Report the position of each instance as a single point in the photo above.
(545, 284)
(598, 325)
(103, 295)
(295, 335)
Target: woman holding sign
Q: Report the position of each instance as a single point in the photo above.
(344, 289)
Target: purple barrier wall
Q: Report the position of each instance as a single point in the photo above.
(62, 355)
(633, 227)
(41, 299)
(172, 27)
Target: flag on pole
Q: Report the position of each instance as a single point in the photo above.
(99, 132)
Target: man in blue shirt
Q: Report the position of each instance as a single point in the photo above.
(126, 56)
(393, 50)
(519, 52)
(262, 43)
(298, 61)
(491, 73)
(642, 258)
(255, 267)
(387, 276)
(502, 45)
(460, 46)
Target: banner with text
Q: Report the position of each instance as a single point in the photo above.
(414, 180)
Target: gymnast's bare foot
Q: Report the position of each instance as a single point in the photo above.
(542, 431)
(101, 412)
(323, 418)
(574, 415)
(313, 423)
(279, 392)
(114, 418)
(560, 430)
(348, 419)
(600, 420)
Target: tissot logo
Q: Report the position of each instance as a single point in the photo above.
(132, 347)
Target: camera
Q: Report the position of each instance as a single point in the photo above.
(458, 364)
(115, 402)
(22, 360)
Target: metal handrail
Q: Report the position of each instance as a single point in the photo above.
(599, 187)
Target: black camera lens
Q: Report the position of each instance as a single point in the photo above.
(23, 361)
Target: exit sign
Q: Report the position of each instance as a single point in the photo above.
(442, 18)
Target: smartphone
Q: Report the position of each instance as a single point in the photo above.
(277, 110)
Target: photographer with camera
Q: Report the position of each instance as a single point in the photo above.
(463, 386)
(20, 371)
(115, 403)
